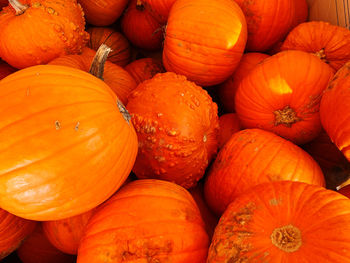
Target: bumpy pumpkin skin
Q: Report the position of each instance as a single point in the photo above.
(46, 30)
(282, 94)
(284, 222)
(204, 46)
(335, 112)
(144, 68)
(329, 42)
(177, 127)
(64, 151)
(146, 221)
(5, 69)
(254, 156)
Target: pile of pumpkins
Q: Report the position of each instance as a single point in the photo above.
(173, 131)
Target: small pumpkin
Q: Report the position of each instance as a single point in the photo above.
(282, 94)
(254, 156)
(57, 28)
(229, 124)
(177, 128)
(205, 47)
(284, 222)
(5, 69)
(144, 68)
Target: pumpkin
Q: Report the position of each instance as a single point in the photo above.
(284, 222)
(66, 142)
(159, 8)
(103, 12)
(120, 53)
(38, 249)
(141, 28)
(205, 47)
(282, 94)
(13, 231)
(227, 90)
(229, 124)
(5, 69)
(334, 110)
(255, 156)
(144, 68)
(146, 221)
(117, 78)
(177, 128)
(36, 31)
(328, 42)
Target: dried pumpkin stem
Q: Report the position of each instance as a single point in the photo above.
(321, 55)
(287, 238)
(18, 6)
(98, 63)
(286, 116)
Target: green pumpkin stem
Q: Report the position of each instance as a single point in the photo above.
(18, 6)
(98, 63)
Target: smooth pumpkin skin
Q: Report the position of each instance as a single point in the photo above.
(5, 69)
(204, 46)
(262, 226)
(177, 128)
(64, 151)
(229, 124)
(144, 68)
(255, 156)
(146, 221)
(329, 42)
(282, 94)
(13, 231)
(46, 30)
(159, 8)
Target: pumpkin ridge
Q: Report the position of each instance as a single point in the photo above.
(287, 238)
(287, 116)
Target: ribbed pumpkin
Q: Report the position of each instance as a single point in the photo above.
(252, 157)
(204, 40)
(66, 143)
(120, 46)
(228, 89)
(144, 68)
(141, 28)
(39, 31)
(117, 78)
(13, 231)
(5, 69)
(282, 94)
(335, 112)
(103, 12)
(177, 128)
(159, 8)
(288, 222)
(146, 221)
(328, 42)
(229, 124)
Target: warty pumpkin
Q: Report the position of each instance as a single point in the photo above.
(66, 142)
(36, 31)
(144, 68)
(229, 124)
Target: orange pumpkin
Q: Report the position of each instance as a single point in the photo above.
(146, 221)
(227, 90)
(144, 68)
(282, 94)
(120, 46)
(5, 69)
(177, 127)
(328, 42)
(229, 124)
(65, 141)
(159, 8)
(205, 47)
(252, 157)
(57, 29)
(284, 222)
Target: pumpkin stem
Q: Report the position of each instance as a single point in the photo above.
(287, 238)
(322, 55)
(286, 116)
(18, 6)
(98, 63)
(139, 5)
(123, 111)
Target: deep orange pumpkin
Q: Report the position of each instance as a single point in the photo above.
(282, 94)
(120, 46)
(252, 157)
(144, 68)
(177, 127)
(5, 69)
(227, 90)
(229, 124)
(288, 222)
(207, 45)
(146, 221)
(66, 143)
(159, 8)
(44, 31)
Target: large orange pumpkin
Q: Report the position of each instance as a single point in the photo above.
(288, 222)
(204, 40)
(282, 94)
(252, 157)
(146, 221)
(5, 69)
(177, 127)
(144, 68)
(66, 143)
(39, 31)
